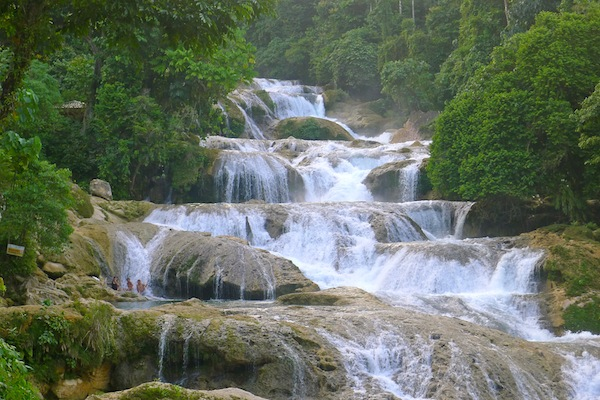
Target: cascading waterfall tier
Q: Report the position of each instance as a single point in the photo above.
(293, 170)
(348, 215)
(286, 99)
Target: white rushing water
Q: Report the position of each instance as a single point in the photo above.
(582, 373)
(409, 253)
(386, 362)
(135, 258)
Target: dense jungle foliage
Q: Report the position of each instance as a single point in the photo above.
(516, 81)
(123, 92)
(116, 90)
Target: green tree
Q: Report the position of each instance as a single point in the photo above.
(588, 120)
(201, 80)
(35, 198)
(511, 131)
(38, 27)
(283, 49)
(14, 384)
(353, 64)
(132, 136)
(521, 13)
(480, 28)
(409, 84)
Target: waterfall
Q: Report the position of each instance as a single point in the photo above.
(582, 374)
(298, 372)
(167, 325)
(386, 362)
(288, 98)
(408, 182)
(133, 259)
(292, 99)
(245, 176)
(316, 208)
(218, 282)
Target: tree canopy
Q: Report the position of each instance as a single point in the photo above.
(148, 74)
(33, 28)
(513, 129)
(170, 63)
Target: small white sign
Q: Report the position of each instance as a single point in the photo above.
(15, 250)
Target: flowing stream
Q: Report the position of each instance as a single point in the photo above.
(416, 258)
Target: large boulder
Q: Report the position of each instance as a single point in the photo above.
(310, 128)
(384, 182)
(508, 216)
(182, 264)
(97, 379)
(101, 188)
(416, 127)
(193, 264)
(366, 119)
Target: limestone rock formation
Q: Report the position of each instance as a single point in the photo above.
(101, 188)
(193, 264)
(156, 390)
(383, 181)
(186, 264)
(335, 344)
(417, 127)
(53, 269)
(98, 379)
(310, 128)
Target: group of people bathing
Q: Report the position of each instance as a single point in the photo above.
(141, 287)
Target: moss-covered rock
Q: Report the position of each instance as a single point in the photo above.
(128, 210)
(83, 204)
(572, 270)
(236, 121)
(278, 351)
(584, 314)
(310, 128)
(508, 216)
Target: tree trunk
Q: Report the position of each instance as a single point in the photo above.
(22, 44)
(413, 13)
(506, 12)
(96, 80)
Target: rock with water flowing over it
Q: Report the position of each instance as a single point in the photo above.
(193, 264)
(334, 344)
(344, 343)
(182, 264)
(384, 182)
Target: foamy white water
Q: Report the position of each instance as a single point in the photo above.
(410, 253)
(582, 374)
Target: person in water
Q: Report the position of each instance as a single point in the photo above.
(140, 286)
(115, 283)
(129, 285)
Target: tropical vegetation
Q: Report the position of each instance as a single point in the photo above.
(119, 91)
(124, 90)
(516, 82)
